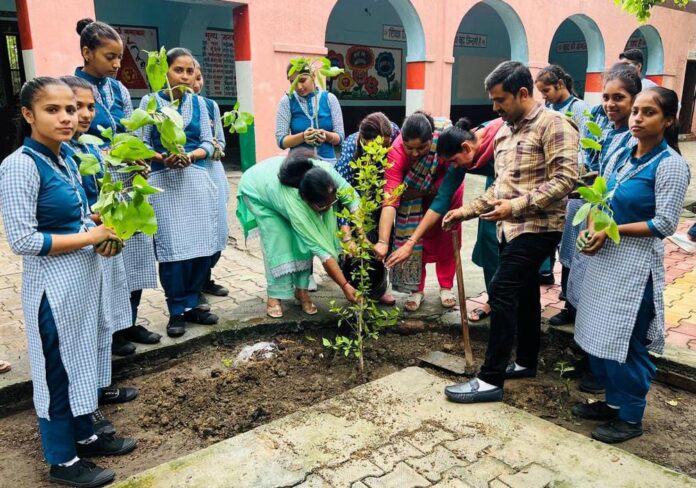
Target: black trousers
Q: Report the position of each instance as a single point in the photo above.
(514, 298)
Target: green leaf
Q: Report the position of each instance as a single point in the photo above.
(172, 136)
(130, 169)
(600, 219)
(247, 117)
(594, 128)
(588, 143)
(331, 72)
(142, 186)
(326, 342)
(90, 139)
(106, 133)
(156, 69)
(240, 126)
(174, 116)
(152, 104)
(600, 185)
(582, 214)
(113, 160)
(147, 218)
(589, 194)
(89, 164)
(236, 106)
(130, 148)
(613, 232)
(140, 118)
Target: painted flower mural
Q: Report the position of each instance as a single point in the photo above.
(371, 86)
(371, 73)
(345, 82)
(336, 59)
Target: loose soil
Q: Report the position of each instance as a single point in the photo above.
(199, 400)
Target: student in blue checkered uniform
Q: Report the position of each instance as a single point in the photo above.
(621, 311)
(217, 174)
(556, 87)
(620, 87)
(309, 117)
(102, 49)
(187, 209)
(47, 221)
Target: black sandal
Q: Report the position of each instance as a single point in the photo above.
(482, 315)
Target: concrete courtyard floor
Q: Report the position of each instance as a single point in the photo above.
(401, 432)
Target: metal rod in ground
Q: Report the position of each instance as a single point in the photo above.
(468, 354)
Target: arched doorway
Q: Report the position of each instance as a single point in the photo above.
(578, 47)
(381, 47)
(648, 40)
(490, 33)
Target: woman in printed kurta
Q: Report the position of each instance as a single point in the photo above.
(372, 126)
(47, 221)
(310, 118)
(217, 174)
(649, 183)
(290, 204)
(102, 50)
(415, 163)
(187, 209)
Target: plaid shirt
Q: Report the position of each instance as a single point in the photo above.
(536, 166)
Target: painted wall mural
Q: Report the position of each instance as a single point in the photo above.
(371, 72)
(136, 40)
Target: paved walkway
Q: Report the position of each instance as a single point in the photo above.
(241, 270)
(401, 432)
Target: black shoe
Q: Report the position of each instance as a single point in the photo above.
(212, 288)
(82, 474)
(511, 374)
(564, 317)
(546, 279)
(561, 296)
(141, 335)
(617, 431)
(469, 393)
(117, 395)
(106, 445)
(176, 326)
(100, 424)
(590, 384)
(203, 303)
(120, 346)
(595, 411)
(198, 316)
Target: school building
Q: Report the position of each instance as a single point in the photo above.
(398, 55)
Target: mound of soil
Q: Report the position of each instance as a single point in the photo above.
(200, 399)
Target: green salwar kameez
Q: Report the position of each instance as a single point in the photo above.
(291, 231)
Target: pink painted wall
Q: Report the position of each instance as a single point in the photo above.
(53, 36)
(281, 30)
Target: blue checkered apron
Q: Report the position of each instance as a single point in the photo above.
(217, 173)
(187, 214)
(570, 232)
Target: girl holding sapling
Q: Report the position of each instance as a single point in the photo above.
(47, 222)
(187, 208)
(309, 117)
(621, 310)
(102, 50)
(217, 174)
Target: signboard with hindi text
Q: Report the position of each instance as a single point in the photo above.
(136, 40)
(218, 64)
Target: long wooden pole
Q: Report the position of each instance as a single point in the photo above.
(468, 354)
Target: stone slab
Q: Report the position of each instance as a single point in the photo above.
(336, 438)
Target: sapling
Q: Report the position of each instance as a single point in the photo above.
(563, 369)
(597, 196)
(364, 318)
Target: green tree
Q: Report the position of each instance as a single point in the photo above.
(641, 8)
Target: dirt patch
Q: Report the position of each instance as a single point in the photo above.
(198, 400)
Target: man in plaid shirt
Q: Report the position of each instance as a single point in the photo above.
(536, 166)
